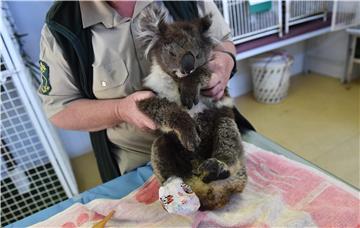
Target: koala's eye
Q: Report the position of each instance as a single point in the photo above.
(172, 54)
(197, 56)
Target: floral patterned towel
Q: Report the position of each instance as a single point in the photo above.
(280, 192)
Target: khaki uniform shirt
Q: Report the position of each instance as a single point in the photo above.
(118, 70)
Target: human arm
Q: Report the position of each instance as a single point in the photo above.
(221, 66)
(67, 108)
(222, 63)
(94, 115)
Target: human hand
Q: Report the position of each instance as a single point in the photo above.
(128, 111)
(221, 65)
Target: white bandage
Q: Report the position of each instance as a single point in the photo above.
(177, 197)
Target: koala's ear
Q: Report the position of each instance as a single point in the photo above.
(151, 18)
(150, 25)
(162, 26)
(205, 23)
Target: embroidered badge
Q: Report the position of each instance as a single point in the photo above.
(45, 86)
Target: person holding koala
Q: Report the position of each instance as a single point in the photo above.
(118, 70)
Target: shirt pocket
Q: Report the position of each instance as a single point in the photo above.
(109, 76)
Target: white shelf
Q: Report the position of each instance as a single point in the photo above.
(280, 44)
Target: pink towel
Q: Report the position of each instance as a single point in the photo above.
(280, 192)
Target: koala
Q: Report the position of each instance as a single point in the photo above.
(200, 141)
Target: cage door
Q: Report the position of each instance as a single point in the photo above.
(35, 171)
(345, 14)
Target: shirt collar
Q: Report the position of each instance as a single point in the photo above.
(94, 12)
(139, 6)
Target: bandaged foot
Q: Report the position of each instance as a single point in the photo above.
(177, 197)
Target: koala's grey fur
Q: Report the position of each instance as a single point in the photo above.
(201, 142)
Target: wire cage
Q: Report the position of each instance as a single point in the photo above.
(297, 12)
(28, 180)
(247, 24)
(35, 174)
(345, 14)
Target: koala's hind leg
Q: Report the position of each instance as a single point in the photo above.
(227, 148)
(169, 158)
(227, 139)
(171, 117)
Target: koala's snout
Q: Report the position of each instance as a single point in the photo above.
(187, 63)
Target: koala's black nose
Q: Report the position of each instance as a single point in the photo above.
(187, 63)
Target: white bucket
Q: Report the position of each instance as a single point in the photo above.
(271, 77)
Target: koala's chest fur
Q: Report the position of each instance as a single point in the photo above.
(165, 87)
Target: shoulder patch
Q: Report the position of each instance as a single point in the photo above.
(45, 86)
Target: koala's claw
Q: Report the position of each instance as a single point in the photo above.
(196, 100)
(187, 102)
(213, 169)
(190, 141)
(189, 98)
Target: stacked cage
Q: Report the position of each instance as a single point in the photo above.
(248, 24)
(34, 173)
(297, 12)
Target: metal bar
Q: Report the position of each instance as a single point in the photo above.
(259, 31)
(334, 15)
(300, 17)
(350, 59)
(246, 37)
(226, 11)
(239, 17)
(305, 19)
(280, 18)
(287, 15)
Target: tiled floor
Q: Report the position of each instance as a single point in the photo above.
(319, 120)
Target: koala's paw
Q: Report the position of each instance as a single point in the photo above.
(189, 138)
(213, 169)
(189, 98)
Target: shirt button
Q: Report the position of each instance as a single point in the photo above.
(103, 83)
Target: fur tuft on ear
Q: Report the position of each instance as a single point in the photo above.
(205, 23)
(151, 24)
(162, 26)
